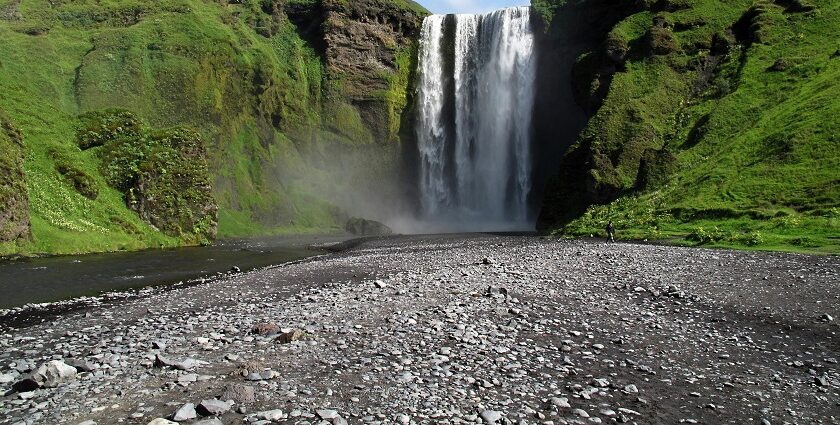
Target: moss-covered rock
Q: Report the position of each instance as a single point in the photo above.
(274, 87)
(162, 173)
(714, 117)
(655, 167)
(172, 190)
(14, 202)
(661, 41)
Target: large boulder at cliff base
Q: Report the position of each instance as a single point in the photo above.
(363, 227)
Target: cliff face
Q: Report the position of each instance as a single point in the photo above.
(296, 103)
(14, 203)
(705, 119)
(368, 47)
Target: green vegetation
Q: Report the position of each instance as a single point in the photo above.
(237, 79)
(14, 210)
(719, 128)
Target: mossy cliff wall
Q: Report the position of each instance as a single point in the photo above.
(274, 90)
(701, 114)
(14, 203)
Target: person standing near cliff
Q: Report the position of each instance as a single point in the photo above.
(610, 232)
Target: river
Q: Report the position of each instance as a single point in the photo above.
(41, 280)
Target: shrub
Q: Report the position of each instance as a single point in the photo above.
(703, 236)
(98, 128)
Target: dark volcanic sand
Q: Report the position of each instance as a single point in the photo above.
(401, 330)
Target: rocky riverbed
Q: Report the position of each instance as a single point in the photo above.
(452, 329)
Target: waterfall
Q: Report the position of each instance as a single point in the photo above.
(475, 98)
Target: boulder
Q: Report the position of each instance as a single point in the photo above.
(213, 407)
(48, 375)
(185, 413)
(364, 227)
(291, 336)
(265, 329)
(242, 394)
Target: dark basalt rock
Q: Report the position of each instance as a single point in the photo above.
(363, 227)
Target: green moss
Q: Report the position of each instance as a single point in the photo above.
(399, 84)
(14, 209)
(239, 73)
(75, 175)
(172, 189)
(748, 141)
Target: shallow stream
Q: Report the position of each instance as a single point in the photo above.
(41, 280)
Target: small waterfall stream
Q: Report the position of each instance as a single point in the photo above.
(476, 94)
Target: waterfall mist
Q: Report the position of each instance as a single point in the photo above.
(476, 81)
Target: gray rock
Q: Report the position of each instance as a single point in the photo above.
(213, 407)
(161, 421)
(580, 412)
(186, 364)
(49, 375)
(242, 394)
(82, 365)
(327, 414)
(271, 415)
(561, 402)
(185, 413)
(261, 376)
(490, 417)
(209, 421)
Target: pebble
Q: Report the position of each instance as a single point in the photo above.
(385, 339)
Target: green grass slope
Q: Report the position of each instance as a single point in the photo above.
(720, 126)
(239, 73)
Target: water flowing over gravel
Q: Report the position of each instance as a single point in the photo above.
(452, 329)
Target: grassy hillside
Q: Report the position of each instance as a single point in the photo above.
(714, 123)
(251, 83)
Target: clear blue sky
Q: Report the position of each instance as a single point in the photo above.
(469, 6)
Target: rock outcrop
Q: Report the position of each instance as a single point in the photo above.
(363, 227)
(163, 173)
(369, 49)
(173, 191)
(14, 201)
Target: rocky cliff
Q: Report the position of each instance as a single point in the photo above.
(14, 203)
(706, 121)
(296, 103)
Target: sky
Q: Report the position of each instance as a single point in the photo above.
(469, 6)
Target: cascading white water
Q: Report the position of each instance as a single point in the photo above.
(476, 94)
